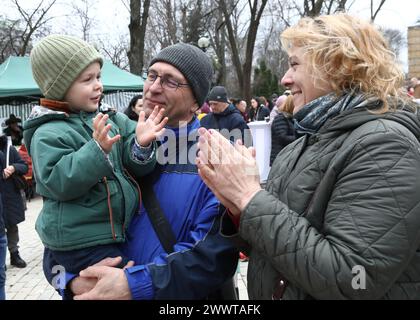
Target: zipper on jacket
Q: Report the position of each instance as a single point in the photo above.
(117, 181)
(111, 218)
(137, 186)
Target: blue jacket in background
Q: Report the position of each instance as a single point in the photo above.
(229, 119)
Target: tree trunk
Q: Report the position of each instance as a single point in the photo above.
(232, 40)
(256, 14)
(137, 27)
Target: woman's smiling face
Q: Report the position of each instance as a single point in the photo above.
(299, 79)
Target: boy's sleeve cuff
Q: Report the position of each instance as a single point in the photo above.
(142, 154)
(64, 291)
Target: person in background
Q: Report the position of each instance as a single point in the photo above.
(340, 216)
(14, 204)
(134, 107)
(282, 129)
(415, 90)
(225, 117)
(273, 99)
(276, 110)
(29, 176)
(267, 103)
(14, 130)
(203, 111)
(258, 112)
(241, 106)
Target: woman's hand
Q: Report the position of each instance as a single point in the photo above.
(231, 172)
(151, 128)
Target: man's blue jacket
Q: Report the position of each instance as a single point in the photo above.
(203, 260)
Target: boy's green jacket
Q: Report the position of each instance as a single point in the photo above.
(77, 181)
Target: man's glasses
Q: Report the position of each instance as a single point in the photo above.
(165, 81)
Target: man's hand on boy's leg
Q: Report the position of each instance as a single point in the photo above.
(151, 128)
(112, 284)
(100, 133)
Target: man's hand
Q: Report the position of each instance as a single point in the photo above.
(151, 128)
(112, 284)
(80, 285)
(100, 133)
(8, 171)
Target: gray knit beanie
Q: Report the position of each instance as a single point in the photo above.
(193, 63)
(58, 60)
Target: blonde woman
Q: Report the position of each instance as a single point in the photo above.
(340, 216)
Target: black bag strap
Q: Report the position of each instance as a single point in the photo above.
(158, 219)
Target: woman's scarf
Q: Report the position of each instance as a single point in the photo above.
(313, 116)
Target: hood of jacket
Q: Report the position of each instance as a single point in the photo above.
(229, 110)
(405, 115)
(39, 115)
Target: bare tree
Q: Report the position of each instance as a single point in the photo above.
(163, 24)
(137, 27)
(116, 52)
(216, 30)
(396, 40)
(314, 8)
(374, 12)
(86, 20)
(9, 38)
(33, 20)
(286, 12)
(243, 71)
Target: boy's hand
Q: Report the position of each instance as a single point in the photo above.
(151, 128)
(100, 133)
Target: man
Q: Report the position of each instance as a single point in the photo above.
(12, 194)
(3, 237)
(14, 130)
(225, 117)
(178, 80)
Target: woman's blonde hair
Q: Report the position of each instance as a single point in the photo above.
(349, 54)
(288, 105)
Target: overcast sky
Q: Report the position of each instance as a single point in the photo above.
(395, 14)
(112, 17)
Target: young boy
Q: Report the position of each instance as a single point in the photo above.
(80, 156)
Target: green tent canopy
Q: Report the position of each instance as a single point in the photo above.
(16, 78)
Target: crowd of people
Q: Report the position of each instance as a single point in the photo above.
(158, 202)
(14, 187)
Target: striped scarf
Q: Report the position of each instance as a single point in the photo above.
(313, 116)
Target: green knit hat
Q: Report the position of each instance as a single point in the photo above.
(58, 60)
